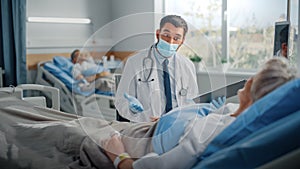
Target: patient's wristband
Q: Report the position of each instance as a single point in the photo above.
(120, 158)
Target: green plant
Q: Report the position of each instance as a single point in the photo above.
(195, 58)
(224, 60)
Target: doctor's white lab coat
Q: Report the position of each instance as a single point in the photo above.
(149, 93)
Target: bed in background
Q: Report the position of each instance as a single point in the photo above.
(89, 103)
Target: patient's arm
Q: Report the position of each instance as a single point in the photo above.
(93, 77)
(80, 76)
(154, 118)
(126, 164)
(113, 147)
(178, 157)
(198, 134)
(90, 78)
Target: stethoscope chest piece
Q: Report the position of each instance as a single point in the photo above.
(183, 92)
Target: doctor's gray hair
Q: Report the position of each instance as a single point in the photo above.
(175, 20)
(274, 73)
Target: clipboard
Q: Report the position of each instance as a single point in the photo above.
(230, 90)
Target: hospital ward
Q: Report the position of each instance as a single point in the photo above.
(149, 84)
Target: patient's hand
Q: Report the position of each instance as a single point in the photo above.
(90, 78)
(79, 77)
(103, 74)
(113, 147)
(154, 119)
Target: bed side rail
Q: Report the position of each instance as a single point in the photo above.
(54, 92)
(66, 97)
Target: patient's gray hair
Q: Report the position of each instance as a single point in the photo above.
(274, 73)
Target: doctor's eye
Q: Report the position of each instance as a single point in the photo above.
(165, 35)
(177, 38)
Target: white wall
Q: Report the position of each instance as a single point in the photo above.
(123, 24)
(133, 22)
(55, 38)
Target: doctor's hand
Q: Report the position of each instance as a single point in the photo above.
(134, 105)
(217, 103)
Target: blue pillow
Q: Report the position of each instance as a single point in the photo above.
(171, 126)
(267, 144)
(274, 106)
(64, 64)
(61, 75)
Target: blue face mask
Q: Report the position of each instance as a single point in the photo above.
(166, 49)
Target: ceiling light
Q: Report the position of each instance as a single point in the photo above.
(59, 20)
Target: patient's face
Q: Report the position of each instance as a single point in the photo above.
(244, 93)
(284, 49)
(81, 57)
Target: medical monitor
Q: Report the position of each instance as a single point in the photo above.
(281, 37)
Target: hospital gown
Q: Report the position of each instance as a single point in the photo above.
(90, 68)
(198, 134)
(84, 66)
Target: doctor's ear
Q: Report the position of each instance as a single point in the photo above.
(157, 33)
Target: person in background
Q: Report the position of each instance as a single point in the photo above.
(157, 80)
(283, 43)
(200, 130)
(91, 74)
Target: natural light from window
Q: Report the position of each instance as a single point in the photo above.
(249, 24)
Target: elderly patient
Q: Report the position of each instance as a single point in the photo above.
(37, 137)
(86, 69)
(200, 130)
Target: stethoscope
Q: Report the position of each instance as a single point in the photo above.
(182, 91)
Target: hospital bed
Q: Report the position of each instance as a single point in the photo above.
(265, 136)
(19, 92)
(85, 103)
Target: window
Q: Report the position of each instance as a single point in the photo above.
(251, 37)
(205, 29)
(294, 32)
(245, 38)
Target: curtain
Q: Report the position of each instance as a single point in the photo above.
(13, 41)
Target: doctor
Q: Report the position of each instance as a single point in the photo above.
(158, 79)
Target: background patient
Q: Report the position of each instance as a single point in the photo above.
(92, 74)
(200, 130)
